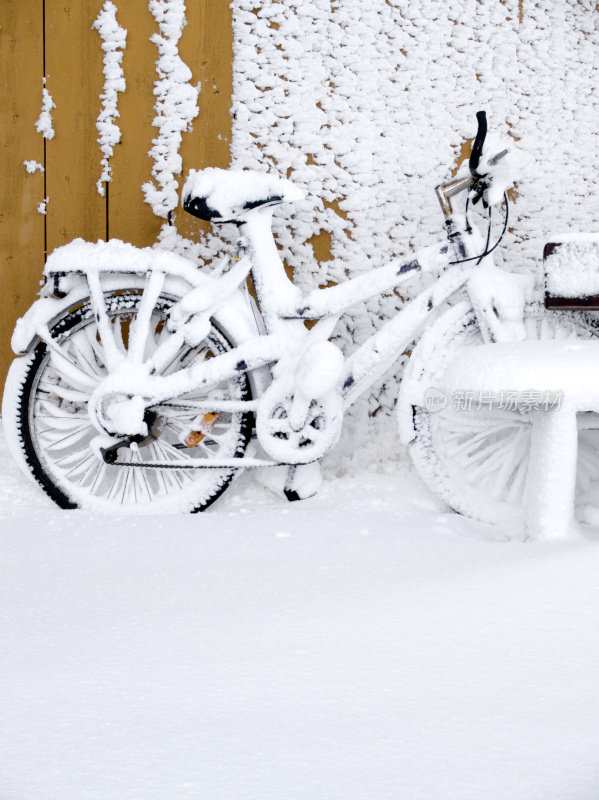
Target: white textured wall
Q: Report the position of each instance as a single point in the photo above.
(366, 105)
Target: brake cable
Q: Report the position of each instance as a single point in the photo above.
(487, 252)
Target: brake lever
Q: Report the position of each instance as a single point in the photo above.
(496, 158)
(477, 146)
(479, 189)
(482, 185)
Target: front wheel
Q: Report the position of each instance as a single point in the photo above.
(45, 412)
(477, 459)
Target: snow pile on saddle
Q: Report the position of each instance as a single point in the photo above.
(229, 193)
(572, 266)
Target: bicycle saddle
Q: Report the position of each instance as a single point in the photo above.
(221, 195)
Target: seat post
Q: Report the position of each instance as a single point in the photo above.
(277, 294)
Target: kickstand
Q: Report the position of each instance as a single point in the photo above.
(295, 482)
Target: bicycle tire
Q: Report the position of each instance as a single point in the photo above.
(477, 462)
(43, 408)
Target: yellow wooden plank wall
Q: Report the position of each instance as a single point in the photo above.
(207, 47)
(74, 80)
(129, 217)
(21, 227)
(55, 39)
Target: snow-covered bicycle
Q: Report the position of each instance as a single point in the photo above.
(142, 379)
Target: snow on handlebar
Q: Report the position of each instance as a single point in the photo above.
(492, 169)
(492, 165)
(498, 165)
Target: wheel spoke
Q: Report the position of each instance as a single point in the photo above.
(87, 353)
(99, 478)
(479, 462)
(65, 441)
(60, 391)
(76, 377)
(61, 422)
(141, 333)
(88, 459)
(515, 492)
(91, 340)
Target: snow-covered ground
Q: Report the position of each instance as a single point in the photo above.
(361, 645)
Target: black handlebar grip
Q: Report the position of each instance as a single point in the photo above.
(477, 147)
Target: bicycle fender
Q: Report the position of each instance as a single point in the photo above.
(235, 318)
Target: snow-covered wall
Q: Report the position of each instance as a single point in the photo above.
(114, 41)
(43, 123)
(176, 106)
(367, 105)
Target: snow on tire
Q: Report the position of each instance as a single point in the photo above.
(477, 461)
(50, 432)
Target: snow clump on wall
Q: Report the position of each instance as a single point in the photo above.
(367, 106)
(176, 106)
(114, 41)
(43, 123)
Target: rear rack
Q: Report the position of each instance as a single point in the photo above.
(572, 273)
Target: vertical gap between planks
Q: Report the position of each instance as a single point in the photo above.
(75, 209)
(45, 153)
(130, 218)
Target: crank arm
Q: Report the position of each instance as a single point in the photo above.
(110, 454)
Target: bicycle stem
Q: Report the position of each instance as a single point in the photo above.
(445, 191)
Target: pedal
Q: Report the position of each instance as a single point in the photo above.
(292, 482)
(201, 427)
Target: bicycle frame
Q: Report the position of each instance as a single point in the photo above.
(145, 379)
(276, 354)
(283, 309)
(282, 304)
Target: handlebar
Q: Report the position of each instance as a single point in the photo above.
(477, 147)
(479, 184)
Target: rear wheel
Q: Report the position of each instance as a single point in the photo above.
(477, 461)
(46, 406)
